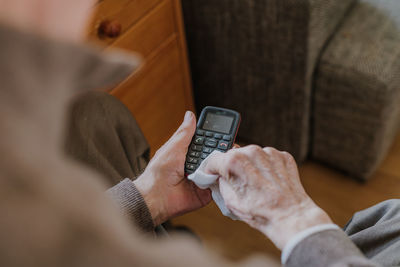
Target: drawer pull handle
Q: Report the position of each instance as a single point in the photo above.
(110, 29)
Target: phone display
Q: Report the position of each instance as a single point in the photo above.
(218, 123)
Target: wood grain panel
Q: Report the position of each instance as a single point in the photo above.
(156, 95)
(160, 93)
(184, 54)
(148, 34)
(125, 12)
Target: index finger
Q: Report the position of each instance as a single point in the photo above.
(226, 164)
(215, 162)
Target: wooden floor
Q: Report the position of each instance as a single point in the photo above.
(339, 195)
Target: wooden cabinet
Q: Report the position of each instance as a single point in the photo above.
(160, 92)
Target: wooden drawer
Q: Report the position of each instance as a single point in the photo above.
(156, 95)
(122, 12)
(150, 32)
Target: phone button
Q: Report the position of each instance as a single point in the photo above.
(192, 160)
(196, 148)
(223, 145)
(198, 140)
(209, 134)
(194, 154)
(227, 137)
(204, 155)
(200, 132)
(190, 167)
(211, 143)
(207, 149)
(218, 136)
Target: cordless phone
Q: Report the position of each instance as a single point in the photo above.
(216, 130)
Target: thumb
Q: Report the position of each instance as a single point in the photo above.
(183, 136)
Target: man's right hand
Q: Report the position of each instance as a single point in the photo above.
(262, 187)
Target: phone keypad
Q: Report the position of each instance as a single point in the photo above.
(203, 144)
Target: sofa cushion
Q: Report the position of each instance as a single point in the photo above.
(357, 90)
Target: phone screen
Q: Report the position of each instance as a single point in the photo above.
(218, 123)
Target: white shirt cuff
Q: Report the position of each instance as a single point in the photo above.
(287, 250)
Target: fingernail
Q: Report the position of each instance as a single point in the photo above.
(188, 116)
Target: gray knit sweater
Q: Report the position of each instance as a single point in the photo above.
(132, 204)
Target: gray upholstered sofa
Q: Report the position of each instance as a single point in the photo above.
(312, 77)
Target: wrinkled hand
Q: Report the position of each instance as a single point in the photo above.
(262, 187)
(163, 185)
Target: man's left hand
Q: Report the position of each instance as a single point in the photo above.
(165, 189)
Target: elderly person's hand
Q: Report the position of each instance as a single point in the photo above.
(262, 187)
(165, 189)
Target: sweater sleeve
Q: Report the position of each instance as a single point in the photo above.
(327, 248)
(129, 199)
